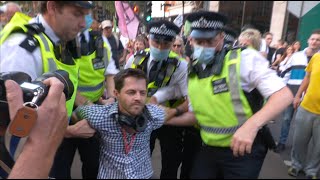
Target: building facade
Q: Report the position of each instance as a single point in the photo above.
(287, 20)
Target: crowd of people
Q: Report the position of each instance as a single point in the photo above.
(206, 94)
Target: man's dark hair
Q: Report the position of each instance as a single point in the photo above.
(316, 31)
(266, 34)
(123, 74)
(60, 4)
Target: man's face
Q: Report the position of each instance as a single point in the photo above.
(177, 46)
(139, 45)
(95, 26)
(314, 42)
(132, 97)
(107, 31)
(67, 21)
(268, 39)
(160, 44)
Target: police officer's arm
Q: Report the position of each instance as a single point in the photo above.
(80, 128)
(38, 152)
(183, 117)
(243, 138)
(110, 72)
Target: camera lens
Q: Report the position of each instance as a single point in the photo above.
(63, 76)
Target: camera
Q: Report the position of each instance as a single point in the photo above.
(33, 91)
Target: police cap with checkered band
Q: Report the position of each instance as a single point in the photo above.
(163, 30)
(230, 34)
(206, 24)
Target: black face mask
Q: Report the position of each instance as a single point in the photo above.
(138, 123)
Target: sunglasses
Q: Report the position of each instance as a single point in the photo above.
(177, 45)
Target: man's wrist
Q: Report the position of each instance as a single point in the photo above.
(178, 112)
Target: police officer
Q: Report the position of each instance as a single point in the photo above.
(96, 68)
(228, 106)
(38, 45)
(230, 37)
(164, 70)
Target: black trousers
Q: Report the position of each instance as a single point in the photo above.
(219, 162)
(191, 144)
(178, 145)
(89, 154)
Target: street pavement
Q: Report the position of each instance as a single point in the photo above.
(274, 166)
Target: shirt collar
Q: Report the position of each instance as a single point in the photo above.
(85, 33)
(112, 110)
(47, 29)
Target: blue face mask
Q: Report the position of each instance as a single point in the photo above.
(159, 54)
(89, 21)
(204, 55)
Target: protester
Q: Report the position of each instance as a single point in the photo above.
(164, 69)
(293, 74)
(113, 40)
(178, 47)
(125, 127)
(307, 123)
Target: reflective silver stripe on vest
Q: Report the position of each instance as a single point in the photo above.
(236, 101)
(234, 89)
(169, 73)
(214, 130)
(137, 60)
(52, 65)
(105, 57)
(45, 42)
(90, 88)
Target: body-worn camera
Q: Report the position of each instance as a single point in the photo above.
(33, 91)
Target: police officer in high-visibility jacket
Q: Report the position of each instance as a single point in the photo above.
(226, 91)
(38, 45)
(96, 72)
(164, 69)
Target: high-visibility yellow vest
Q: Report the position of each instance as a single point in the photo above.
(49, 61)
(221, 106)
(92, 78)
(140, 63)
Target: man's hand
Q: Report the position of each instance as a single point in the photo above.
(170, 112)
(52, 114)
(81, 129)
(243, 138)
(46, 135)
(106, 101)
(296, 102)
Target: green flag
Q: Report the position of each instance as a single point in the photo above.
(187, 28)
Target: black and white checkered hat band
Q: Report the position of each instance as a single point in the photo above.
(202, 23)
(162, 31)
(228, 37)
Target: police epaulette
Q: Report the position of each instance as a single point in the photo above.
(34, 28)
(174, 61)
(95, 33)
(239, 47)
(142, 53)
(30, 43)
